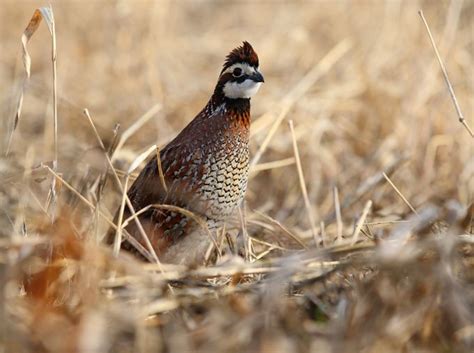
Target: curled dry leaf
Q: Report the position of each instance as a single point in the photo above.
(45, 13)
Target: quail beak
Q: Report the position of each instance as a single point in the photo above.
(257, 77)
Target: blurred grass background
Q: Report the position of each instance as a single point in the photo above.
(382, 106)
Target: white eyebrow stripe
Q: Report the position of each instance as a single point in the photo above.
(246, 68)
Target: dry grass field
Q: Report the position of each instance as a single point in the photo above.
(357, 233)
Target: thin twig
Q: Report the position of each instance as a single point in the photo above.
(272, 165)
(399, 193)
(212, 245)
(337, 208)
(245, 235)
(52, 196)
(309, 209)
(323, 232)
(118, 234)
(386, 222)
(360, 222)
(446, 78)
(132, 129)
(244, 268)
(266, 243)
(283, 228)
(55, 89)
(160, 169)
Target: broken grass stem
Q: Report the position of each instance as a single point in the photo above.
(446, 77)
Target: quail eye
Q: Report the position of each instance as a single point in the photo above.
(237, 72)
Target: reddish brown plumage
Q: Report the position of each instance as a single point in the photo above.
(205, 170)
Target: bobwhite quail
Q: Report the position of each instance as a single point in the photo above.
(205, 168)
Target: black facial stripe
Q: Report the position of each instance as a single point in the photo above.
(228, 77)
(240, 79)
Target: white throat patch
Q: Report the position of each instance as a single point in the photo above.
(244, 89)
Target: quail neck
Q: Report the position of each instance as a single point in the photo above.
(204, 169)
